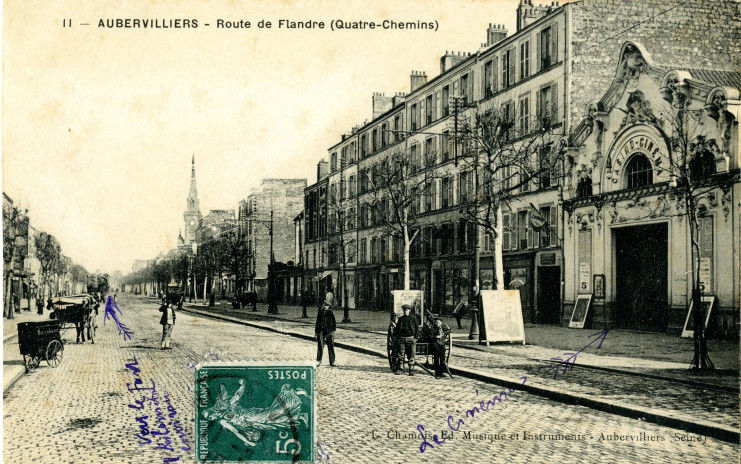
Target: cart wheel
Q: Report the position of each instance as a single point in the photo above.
(391, 351)
(31, 362)
(54, 352)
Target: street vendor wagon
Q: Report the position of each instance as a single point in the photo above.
(40, 340)
(397, 358)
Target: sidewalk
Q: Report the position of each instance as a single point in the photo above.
(706, 405)
(13, 367)
(635, 352)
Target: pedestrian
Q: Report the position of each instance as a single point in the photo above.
(407, 332)
(80, 325)
(40, 305)
(167, 320)
(325, 328)
(439, 341)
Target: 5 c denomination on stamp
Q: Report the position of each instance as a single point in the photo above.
(255, 412)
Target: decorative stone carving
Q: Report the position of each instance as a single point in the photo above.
(717, 109)
(639, 111)
(631, 65)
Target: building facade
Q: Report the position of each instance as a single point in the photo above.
(271, 209)
(545, 75)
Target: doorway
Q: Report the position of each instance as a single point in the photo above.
(549, 295)
(641, 285)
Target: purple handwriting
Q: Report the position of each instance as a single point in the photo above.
(563, 365)
(159, 434)
(110, 311)
(482, 406)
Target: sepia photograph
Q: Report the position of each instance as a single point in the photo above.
(414, 231)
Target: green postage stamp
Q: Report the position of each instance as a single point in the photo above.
(255, 412)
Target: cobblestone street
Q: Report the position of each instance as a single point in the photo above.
(79, 411)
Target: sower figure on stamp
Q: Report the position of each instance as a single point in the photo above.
(167, 320)
(407, 332)
(325, 328)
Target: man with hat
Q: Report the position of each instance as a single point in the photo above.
(407, 332)
(325, 328)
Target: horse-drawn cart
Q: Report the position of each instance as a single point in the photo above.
(40, 340)
(77, 311)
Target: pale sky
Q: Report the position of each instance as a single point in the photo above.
(99, 125)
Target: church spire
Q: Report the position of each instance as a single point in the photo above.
(193, 193)
(192, 213)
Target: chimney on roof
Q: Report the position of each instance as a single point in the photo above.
(322, 170)
(418, 78)
(381, 104)
(495, 34)
(450, 59)
(399, 98)
(527, 13)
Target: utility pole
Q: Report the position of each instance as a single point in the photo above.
(272, 297)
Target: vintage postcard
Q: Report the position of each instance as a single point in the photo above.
(462, 231)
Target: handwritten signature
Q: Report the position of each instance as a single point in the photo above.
(110, 311)
(482, 406)
(164, 415)
(565, 364)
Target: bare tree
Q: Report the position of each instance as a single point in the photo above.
(397, 181)
(697, 143)
(13, 222)
(48, 252)
(342, 246)
(499, 159)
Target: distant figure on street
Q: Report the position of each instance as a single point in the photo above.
(40, 305)
(458, 312)
(440, 331)
(325, 328)
(80, 325)
(407, 332)
(167, 320)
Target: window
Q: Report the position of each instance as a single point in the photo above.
(447, 192)
(363, 145)
(428, 109)
(429, 196)
(351, 187)
(430, 150)
(545, 168)
(333, 161)
(508, 68)
(524, 181)
(702, 165)
(584, 187)
(466, 88)
(465, 186)
(548, 47)
(384, 135)
(490, 77)
(549, 231)
(547, 105)
(639, 172)
(374, 140)
(524, 232)
(446, 237)
(414, 115)
(524, 115)
(525, 59)
(351, 153)
(446, 101)
(414, 157)
(351, 219)
(508, 120)
(506, 232)
(446, 142)
(397, 128)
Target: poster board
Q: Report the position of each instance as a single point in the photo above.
(581, 308)
(415, 298)
(502, 316)
(688, 331)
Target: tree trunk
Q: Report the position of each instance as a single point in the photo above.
(407, 245)
(9, 295)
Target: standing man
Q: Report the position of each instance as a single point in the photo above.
(407, 332)
(167, 320)
(325, 328)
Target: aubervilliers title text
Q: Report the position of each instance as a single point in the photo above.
(277, 23)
